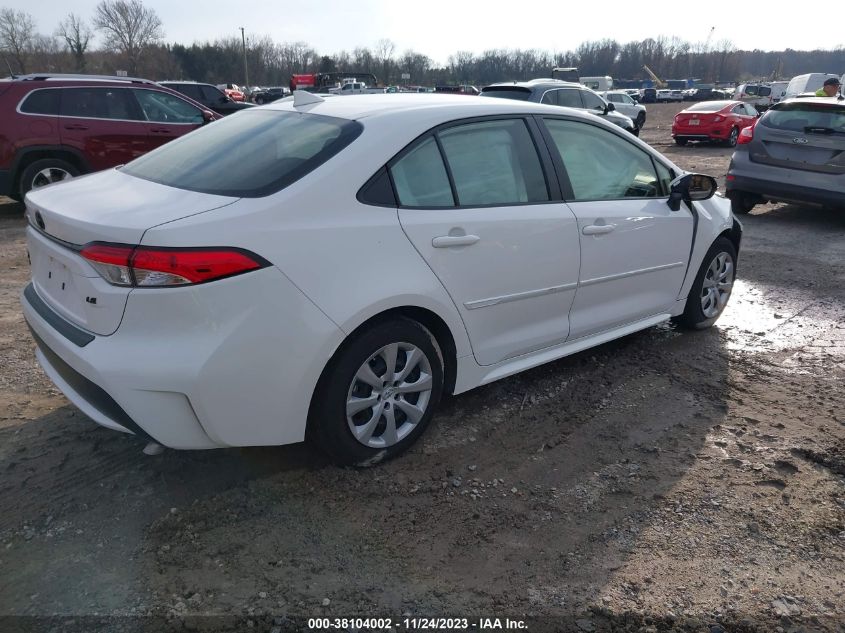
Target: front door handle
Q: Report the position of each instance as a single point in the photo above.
(598, 229)
(76, 126)
(445, 241)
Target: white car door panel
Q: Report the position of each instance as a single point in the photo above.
(507, 255)
(634, 248)
(633, 271)
(514, 283)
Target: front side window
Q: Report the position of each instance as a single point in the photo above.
(420, 177)
(494, 162)
(601, 165)
(212, 95)
(98, 103)
(41, 102)
(569, 98)
(250, 155)
(592, 101)
(161, 107)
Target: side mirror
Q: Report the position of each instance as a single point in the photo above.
(609, 108)
(691, 187)
(207, 116)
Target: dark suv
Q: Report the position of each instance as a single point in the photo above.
(54, 127)
(210, 96)
(561, 93)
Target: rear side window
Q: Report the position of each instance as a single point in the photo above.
(806, 117)
(98, 103)
(494, 162)
(251, 155)
(41, 102)
(420, 177)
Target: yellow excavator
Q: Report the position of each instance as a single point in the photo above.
(658, 82)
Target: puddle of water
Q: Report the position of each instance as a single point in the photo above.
(768, 319)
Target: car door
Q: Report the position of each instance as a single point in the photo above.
(475, 202)
(167, 116)
(634, 248)
(103, 123)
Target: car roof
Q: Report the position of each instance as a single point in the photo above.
(542, 82)
(811, 97)
(407, 104)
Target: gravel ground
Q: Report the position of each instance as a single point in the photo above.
(668, 481)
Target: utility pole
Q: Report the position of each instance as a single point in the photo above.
(246, 72)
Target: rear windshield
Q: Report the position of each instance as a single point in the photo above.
(521, 94)
(806, 117)
(250, 155)
(708, 106)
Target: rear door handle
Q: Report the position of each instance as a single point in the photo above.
(76, 126)
(161, 130)
(445, 241)
(598, 229)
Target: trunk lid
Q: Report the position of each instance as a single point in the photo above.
(105, 207)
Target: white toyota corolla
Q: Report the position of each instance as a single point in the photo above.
(327, 268)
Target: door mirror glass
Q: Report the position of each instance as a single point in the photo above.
(691, 187)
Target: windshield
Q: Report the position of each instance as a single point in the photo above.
(708, 106)
(507, 92)
(250, 155)
(806, 117)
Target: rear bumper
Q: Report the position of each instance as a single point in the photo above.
(698, 134)
(780, 191)
(229, 363)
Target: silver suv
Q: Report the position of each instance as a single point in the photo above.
(561, 93)
(794, 153)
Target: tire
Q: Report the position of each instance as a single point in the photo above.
(44, 172)
(741, 202)
(640, 120)
(364, 438)
(731, 140)
(707, 299)
(681, 141)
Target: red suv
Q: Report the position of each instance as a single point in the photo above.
(54, 127)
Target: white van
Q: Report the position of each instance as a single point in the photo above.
(806, 83)
(597, 84)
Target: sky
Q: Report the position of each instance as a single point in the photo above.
(438, 28)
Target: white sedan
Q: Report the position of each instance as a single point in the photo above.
(328, 268)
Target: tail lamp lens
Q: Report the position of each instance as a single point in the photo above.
(144, 267)
(746, 135)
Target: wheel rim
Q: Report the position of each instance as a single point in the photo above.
(49, 176)
(389, 395)
(717, 286)
(734, 135)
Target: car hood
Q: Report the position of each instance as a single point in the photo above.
(112, 206)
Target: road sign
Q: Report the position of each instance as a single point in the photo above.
(406, 75)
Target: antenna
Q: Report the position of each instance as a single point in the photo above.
(303, 98)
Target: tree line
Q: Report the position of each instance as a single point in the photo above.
(132, 39)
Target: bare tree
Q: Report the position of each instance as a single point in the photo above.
(129, 27)
(16, 32)
(384, 54)
(77, 35)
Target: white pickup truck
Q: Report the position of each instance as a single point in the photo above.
(352, 87)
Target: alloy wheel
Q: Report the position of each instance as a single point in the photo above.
(389, 395)
(717, 285)
(49, 175)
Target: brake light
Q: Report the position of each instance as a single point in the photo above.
(718, 118)
(149, 267)
(746, 135)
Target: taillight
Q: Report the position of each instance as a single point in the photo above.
(150, 267)
(746, 135)
(718, 118)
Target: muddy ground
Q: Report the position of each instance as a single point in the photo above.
(668, 481)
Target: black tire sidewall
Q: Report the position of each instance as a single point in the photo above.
(33, 168)
(327, 424)
(693, 317)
